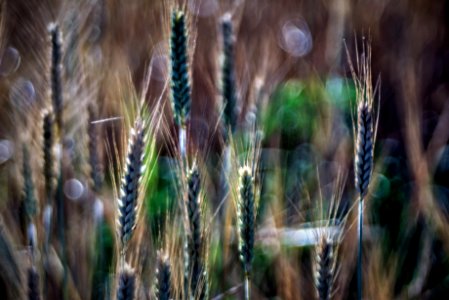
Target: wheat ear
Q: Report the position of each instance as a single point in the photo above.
(325, 268)
(163, 280)
(195, 236)
(365, 138)
(246, 221)
(179, 68)
(126, 284)
(228, 77)
(127, 204)
(96, 173)
(56, 72)
(363, 171)
(29, 197)
(47, 149)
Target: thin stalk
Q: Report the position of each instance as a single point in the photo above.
(359, 254)
(247, 288)
(183, 145)
(61, 229)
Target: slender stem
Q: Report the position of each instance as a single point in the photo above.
(47, 215)
(183, 146)
(359, 254)
(247, 288)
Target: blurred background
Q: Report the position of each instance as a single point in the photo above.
(294, 82)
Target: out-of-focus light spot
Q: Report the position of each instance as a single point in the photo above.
(296, 38)
(6, 150)
(10, 61)
(203, 8)
(73, 189)
(22, 93)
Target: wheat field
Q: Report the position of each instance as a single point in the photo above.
(224, 149)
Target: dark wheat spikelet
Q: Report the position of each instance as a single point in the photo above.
(228, 76)
(179, 68)
(33, 284)
(246, 218)
(48, 154)
(56, 72)
(163, 280)
(96, 172)
(364, 148)
(324, 269)
(195, 238)
(29, 198)
(126, 284)
(129, 191)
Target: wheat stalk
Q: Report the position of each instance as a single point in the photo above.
(364, 143)
(33, 284)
